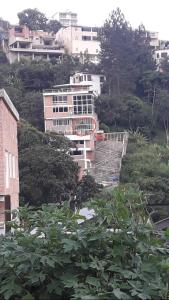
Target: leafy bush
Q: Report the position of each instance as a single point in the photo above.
(113, 256)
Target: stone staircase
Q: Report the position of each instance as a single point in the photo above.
(108, 158)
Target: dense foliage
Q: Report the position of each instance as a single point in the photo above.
(135, 96)
(47, 171)
(36, 20)
(146, 166)
(113, 256)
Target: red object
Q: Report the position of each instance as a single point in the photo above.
(100, 136)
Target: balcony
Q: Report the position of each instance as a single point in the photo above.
(47, 47)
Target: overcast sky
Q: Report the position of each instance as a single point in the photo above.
(152, 13)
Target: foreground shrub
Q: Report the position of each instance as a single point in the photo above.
(114, 255)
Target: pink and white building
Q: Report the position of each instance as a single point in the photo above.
(69, 109)
(9, 179)
(27, 44)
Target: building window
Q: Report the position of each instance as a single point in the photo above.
(86, 38)
(89, 78)
(18, 29)
(13, 167)
(164, 55)
(84, 125)
(95, 29)
(158, 55)
(95, 38)
(83, 104)
(59, 99)
(76, 152)
(6, 169)
(101, 78)
(61, 122)
(60, 109)
(88, 29)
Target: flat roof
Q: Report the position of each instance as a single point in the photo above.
(8, 102)
(72, 85)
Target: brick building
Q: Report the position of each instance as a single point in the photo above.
(9, 179)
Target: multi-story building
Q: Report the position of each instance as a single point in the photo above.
(33, 45)
(154, 40)
(80, 41)
(94, 81)
(160, 55)
(66, 18)
(9, 179)
(69, 109)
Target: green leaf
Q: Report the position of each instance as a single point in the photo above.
(70, 245)
(28, 297)
(93, 281)
(121, 295)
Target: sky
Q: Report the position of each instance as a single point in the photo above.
(152, 13)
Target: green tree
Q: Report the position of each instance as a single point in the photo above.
(146, 166)
(53, 26)
(86, 189)
(162, 107)
(47, 172)
(125, 53)
(32, 18)
(116, 255)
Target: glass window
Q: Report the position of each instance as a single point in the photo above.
(90, 109)
(84, 97)
(89, 78)
(86, 29)
(89, 97)
(78, 97)
(61, 99)
(60, 109)
(164, 55)
(65, 109)
(86, 38)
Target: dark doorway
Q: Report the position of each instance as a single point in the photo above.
(7, 212)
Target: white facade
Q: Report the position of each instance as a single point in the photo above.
(67, 18)
(80, 41)
(95, 81)
(160, 55)
(154, 41)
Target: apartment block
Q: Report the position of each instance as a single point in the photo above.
(9, 178)
(69, 109)
(80, 41)
(66, 18)
(32, 45)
